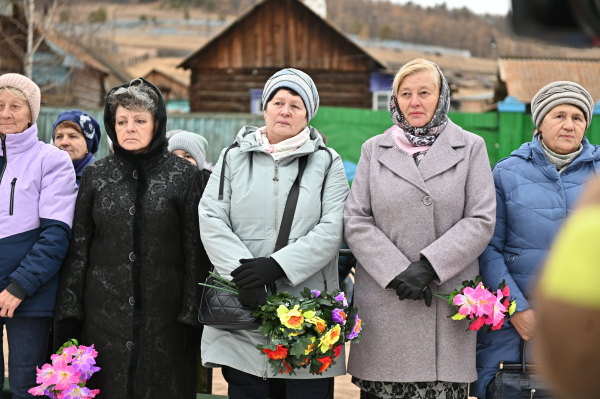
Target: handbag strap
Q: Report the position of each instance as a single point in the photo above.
(290, 207)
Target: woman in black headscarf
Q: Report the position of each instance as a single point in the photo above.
(129, 282)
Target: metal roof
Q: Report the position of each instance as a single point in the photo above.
(524, 77)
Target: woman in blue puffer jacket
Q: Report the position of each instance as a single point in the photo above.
(536, 189)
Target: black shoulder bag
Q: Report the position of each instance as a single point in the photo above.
(515, 381)
(222, 309)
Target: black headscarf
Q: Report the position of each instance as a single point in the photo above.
(158, 145)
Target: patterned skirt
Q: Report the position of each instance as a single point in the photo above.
(414, 390)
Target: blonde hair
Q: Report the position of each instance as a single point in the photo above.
(17, 93)
(415, 66)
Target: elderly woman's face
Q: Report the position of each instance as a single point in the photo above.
(563, 128)
(285, 116)
(134, 129)
(72, 141)
(15, 115)
(418, 98)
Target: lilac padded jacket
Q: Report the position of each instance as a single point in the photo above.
(37, 203)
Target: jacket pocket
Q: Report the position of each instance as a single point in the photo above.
(12, 195)
(511, 253)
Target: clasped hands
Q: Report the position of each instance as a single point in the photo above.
(413, 283)
(252, 277)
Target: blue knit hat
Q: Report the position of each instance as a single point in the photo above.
(298, 81)
(88, 125)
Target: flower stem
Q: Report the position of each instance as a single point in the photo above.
(222, 280)
(441, 295)
(221, 288)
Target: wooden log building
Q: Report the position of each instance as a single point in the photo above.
(230, 71)
(171, 88)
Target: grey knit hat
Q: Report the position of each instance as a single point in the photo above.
(298, 81)
(558, 93)
(192, 143)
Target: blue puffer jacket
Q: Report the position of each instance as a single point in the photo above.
(533, 200)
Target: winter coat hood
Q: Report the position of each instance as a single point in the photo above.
(158, 145)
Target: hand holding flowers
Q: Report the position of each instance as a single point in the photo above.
(485, 308)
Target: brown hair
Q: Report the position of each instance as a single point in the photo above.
(67, 124)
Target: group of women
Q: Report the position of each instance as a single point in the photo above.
(111, 251)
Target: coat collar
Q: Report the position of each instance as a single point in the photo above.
(247, 141)
(21, 142)
(440, 157)
(534, 151)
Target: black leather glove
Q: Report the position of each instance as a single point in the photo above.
(253, 297)
(413, 283)
(258, 272)
(64, 330)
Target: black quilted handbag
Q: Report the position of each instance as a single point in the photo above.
(516, 381)
(222, 309)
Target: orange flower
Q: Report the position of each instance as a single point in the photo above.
(326, 361)
(280, 353)
(287, 371)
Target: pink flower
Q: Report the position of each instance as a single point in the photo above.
(76, 392)
(485, 306)
(37, 391)
(497, 315)
(94, 392)
(44, 374)
(65, 356)
(85, 359)
(63, 376)
(506, 291)
(468, 301)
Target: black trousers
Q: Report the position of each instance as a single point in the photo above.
(246, 386)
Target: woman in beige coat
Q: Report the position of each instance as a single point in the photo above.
(421, 210)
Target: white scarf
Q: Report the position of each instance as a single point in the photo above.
(285, 147)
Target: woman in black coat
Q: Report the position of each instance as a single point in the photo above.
(129, 282)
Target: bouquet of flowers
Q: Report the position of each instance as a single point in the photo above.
(306, 332)
(65, 378)
(484, 307)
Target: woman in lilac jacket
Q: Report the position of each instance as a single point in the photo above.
(37, 202)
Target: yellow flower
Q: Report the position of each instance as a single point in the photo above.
(512, 307)
(331, 337)
(311, 346)
(291, 318)
(319, 324)
(459, 316)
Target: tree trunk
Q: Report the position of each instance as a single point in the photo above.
(30, 7)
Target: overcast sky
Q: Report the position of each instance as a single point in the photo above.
(477, 6)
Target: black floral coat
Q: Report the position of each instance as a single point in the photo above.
(132, 271)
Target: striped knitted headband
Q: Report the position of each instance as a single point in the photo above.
(558, 93)
(298, 81)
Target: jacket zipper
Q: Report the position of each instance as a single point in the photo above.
(5, 157)
(12, 195)
(275, 205)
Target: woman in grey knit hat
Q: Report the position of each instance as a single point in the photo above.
(536, 189)
(240, 217)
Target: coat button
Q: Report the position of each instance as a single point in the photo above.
(132, 256)
(135, 174)
(427, 200)
(129, 345)
(132, 210)
(132, 301)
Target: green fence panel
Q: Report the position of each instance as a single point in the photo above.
(345, 128)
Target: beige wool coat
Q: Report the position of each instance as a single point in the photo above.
(445, 210)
